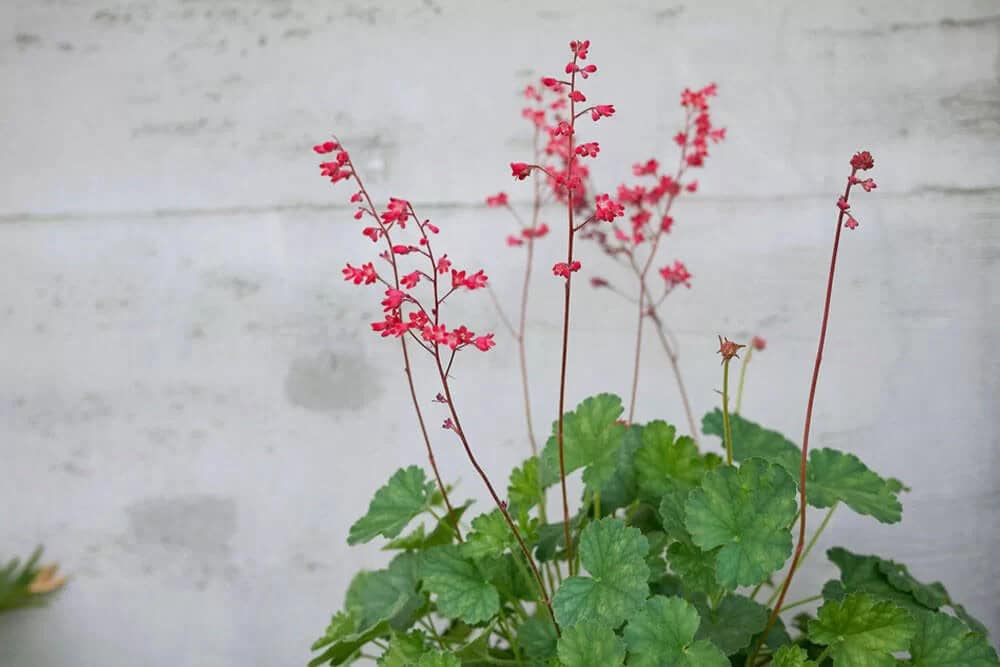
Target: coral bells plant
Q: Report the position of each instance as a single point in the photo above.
(672, 555)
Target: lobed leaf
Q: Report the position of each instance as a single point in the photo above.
(403, 497)
(732, 624)
(588, 644)
(862, 631)
(462, 590)
(791, 656)
(664, 463)
(944, 641)
(663, 635)
(614, 555)
(592, 436)
(387, 595)
(746, 512)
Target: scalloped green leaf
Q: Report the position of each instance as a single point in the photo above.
(791, 656)
(389, 594)
(862, 631)
(614, 555)
(439, 659)
(695, 567)
(404, 650)
(663, 635)
(524, 489)
(588, 644)
(944, 641)
(490, 536)
(746, 512)
(592, 437)
(403, 497)
(538, 637)
(732, 624)
(671, 513)
(834, 476)
(664, 463)
(418, 538)
(462, 590)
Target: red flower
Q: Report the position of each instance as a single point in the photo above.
(577, 96)
(645, 169)
(476, 280)
(868, 184)
(326, 147)
(410, 280)
(373, 233)
(397, 212)
(598, 282)
(365, 274)
(666, 224)
(402, 249)
(842, 204)
(676, 275)
(520, 170)
(536, 233)
(497, 200)
(602, 111)
(392, 325)
(444, 264)
(607, 209)
(589, 149)
(758, 343)
(851, 223)
(588, 70)
(692, 186)
(393, 299)
(563, 269)
(513, 241)
(484, 343)
(863, 161)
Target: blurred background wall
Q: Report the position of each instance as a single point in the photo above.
(192, 411)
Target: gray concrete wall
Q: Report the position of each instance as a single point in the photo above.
(191, 410)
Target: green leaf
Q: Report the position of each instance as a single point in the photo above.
(791, 656)
(524, 490)
(342, 640)
(732, 623)
(752, 440)
(663, 635)
(591, 439)
(695, 567)
(439, 659)
(867, 574)
(835, 476)
(404, 650)
(418, 538)
(862, 631)
(623, 487)
(386, 595)
(406, 495)
(672, 514)
(614, 555)
(538, 637)
(746, 512)
(552, 538)
(832, 475)
(931, 595)
(943, 641)
(461, 588)
(490, 536)
(588, 644)
(664, 464)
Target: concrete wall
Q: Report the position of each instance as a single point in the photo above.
(191, 410)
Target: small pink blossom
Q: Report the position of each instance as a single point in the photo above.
(365, 274)
(607, 209)
(520, 170)
(410, 280)
(326, 147)
(602, 111)
(484, 343)
(563, 269)
(497, 200)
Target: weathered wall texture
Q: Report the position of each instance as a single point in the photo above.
(191, 413)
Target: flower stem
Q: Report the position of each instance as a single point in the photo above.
(808, 423)
(565, 330)
(743, 375)
(725, 412)
(672, 357)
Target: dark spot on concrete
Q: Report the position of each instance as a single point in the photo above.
(662, 15)
(238, 286)
(184, 128)
(297, 33)
(184, 536)
(64, 46)
(24, 40)
(331, 382)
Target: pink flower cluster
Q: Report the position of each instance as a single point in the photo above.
(404, 312)
(862, 161)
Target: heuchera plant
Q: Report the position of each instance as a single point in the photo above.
(673, 556)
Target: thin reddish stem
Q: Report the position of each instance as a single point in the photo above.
(672, 357)
(808, 423)
(565, 332)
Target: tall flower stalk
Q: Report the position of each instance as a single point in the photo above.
(862, 161)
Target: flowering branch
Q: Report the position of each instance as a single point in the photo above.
(862, 161)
